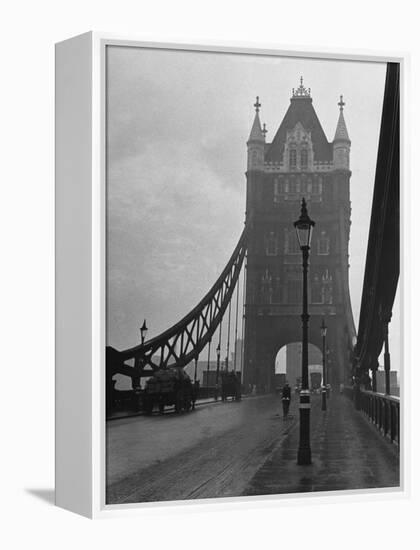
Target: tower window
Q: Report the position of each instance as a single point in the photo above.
(266, 288)
(294, 291)
(291, 245)
(327, 288)
(278, 291)
(292, 186)
(292, 158)
(271, 244)
(317, 186)
(278, 190)
(323, 244)
(304, 159)
(316, 290)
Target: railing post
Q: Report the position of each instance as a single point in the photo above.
(374, 371)
(386, 318)
(392, 426)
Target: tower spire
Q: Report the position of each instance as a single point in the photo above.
(256, 141)
(341, 142)
(257, 133)
(341, 133)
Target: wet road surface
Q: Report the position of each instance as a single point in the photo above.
(213, 451)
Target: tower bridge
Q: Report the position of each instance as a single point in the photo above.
(274, 274)
(299, 162)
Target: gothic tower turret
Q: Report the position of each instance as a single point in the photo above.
(341, 143)
(256, 142)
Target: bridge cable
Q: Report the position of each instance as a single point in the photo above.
(228, 338)
(243, 319)
(219, 350)
(208, 367)
(236, 324)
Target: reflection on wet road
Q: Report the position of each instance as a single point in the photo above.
(213, 451)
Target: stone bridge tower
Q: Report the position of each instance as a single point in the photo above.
(300, 162)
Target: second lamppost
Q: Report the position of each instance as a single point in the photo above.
(217, 371)
(143, 331)
(324, 376)
(304, 226)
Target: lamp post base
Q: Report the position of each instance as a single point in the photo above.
(324, 399)
(304, 457)
(304, 451)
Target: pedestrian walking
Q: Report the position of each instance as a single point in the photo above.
(285, 399)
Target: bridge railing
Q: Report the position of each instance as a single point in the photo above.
(382, 410)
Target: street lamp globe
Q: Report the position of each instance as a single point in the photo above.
(303, 227)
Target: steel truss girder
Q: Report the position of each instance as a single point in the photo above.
(183, 342)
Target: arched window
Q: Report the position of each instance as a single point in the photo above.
(304, 159)
(292, 158)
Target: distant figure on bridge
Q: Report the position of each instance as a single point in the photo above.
(285, 399)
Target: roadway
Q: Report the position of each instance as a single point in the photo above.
(243, 448)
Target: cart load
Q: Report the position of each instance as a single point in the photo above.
(168, 387)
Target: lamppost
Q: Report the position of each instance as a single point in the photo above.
(139, 363)
(143, 331)
(195, 369)
(324, 377)
(328, 371)
(217, 371)
(304, 226)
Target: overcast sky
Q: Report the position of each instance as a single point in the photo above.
(178, 123)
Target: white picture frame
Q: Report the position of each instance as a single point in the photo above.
(80, 268)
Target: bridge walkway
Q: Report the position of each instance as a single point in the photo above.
(348, 452)
(245, 448)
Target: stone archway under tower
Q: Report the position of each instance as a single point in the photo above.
(288, 365)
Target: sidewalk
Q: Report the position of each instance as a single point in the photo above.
(347, 453)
